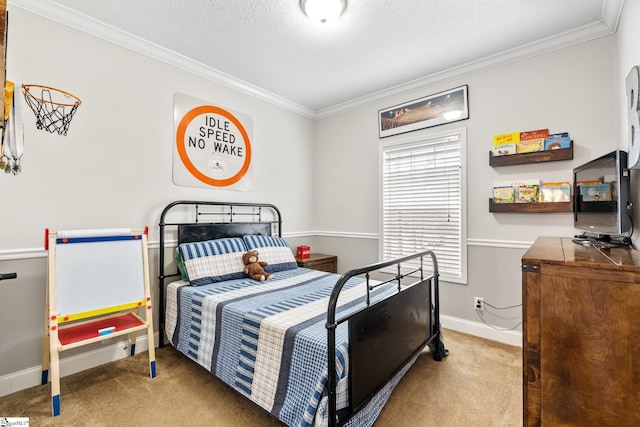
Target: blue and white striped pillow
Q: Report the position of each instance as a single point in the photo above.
(273, 250)
(213, 260)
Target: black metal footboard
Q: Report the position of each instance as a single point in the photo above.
(385, 336)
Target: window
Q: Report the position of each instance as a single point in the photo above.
(422, 192)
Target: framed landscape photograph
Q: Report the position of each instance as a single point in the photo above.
(433, 110)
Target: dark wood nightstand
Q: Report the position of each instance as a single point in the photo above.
(328, 263)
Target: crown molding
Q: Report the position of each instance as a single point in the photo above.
(611, 11)
(608, 24)
(86, 24)
(610, 17)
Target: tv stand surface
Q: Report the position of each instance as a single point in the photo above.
(581, 322)
(605, 241)
(583, 241)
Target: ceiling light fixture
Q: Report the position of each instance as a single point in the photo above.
(323, 11)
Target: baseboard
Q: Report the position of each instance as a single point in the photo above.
(113, 351)
(70, 365)
(481, 330)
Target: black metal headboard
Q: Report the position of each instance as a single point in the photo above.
(201, 232)
(196, 221)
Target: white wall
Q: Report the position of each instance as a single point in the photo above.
(114, 168)
(570, 90)
(628, 56)
(115, 165)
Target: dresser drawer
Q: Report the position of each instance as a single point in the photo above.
(321, 262)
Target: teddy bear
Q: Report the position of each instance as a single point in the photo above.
(253, 267)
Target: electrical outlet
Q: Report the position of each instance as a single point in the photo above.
(478, 303)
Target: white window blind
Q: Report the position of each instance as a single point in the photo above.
(422, 185)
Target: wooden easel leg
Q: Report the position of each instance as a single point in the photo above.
(152, 347)
(148, 315)
(55, 379)
(52, 344)
(152, 366)
(45, 343)
(132, 344)
(45, 361)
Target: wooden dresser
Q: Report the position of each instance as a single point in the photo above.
(581, 335)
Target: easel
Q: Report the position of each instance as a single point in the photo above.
(96, 282)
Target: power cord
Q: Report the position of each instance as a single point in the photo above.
(480, 315)
(627, 240)
(501, 308)
(496, 327)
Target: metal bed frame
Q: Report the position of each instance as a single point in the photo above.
(227, 222)
(395, 330)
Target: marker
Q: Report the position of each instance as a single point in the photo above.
(106, 331)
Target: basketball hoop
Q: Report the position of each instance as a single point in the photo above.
(54, 108)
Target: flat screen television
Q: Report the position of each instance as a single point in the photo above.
(602, 200)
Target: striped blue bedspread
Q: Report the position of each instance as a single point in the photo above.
(267, 340)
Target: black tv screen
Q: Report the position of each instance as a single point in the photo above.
(602, 197)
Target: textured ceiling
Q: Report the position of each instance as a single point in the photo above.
(270, 48)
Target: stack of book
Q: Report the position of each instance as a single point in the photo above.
(531, 191)
(529, 141)
(532, 140)
(556, 141)
(596, 190)
(555, 192)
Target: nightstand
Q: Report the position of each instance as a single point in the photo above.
(328, 263)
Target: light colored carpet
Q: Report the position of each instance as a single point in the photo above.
(478, 384)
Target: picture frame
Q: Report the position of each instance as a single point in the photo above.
(433, 110)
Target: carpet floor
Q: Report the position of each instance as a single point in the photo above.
(478, 384)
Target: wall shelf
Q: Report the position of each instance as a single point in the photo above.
(533, 157)
(545, 207)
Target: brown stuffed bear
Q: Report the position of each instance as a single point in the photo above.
(253, 267)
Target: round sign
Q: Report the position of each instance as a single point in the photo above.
(213, 146)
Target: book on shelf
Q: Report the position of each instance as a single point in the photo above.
(554, 192)
(520, 191)
(595, 192)
(530, 145)
(528, 193)
(590, 182)
(506, 138)
(504, 149)
(557, 141)
(558, 135)
(534, 134)
(503, 195)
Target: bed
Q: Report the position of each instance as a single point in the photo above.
(308, 347)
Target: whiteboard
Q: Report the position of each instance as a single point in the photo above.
(98, 273)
